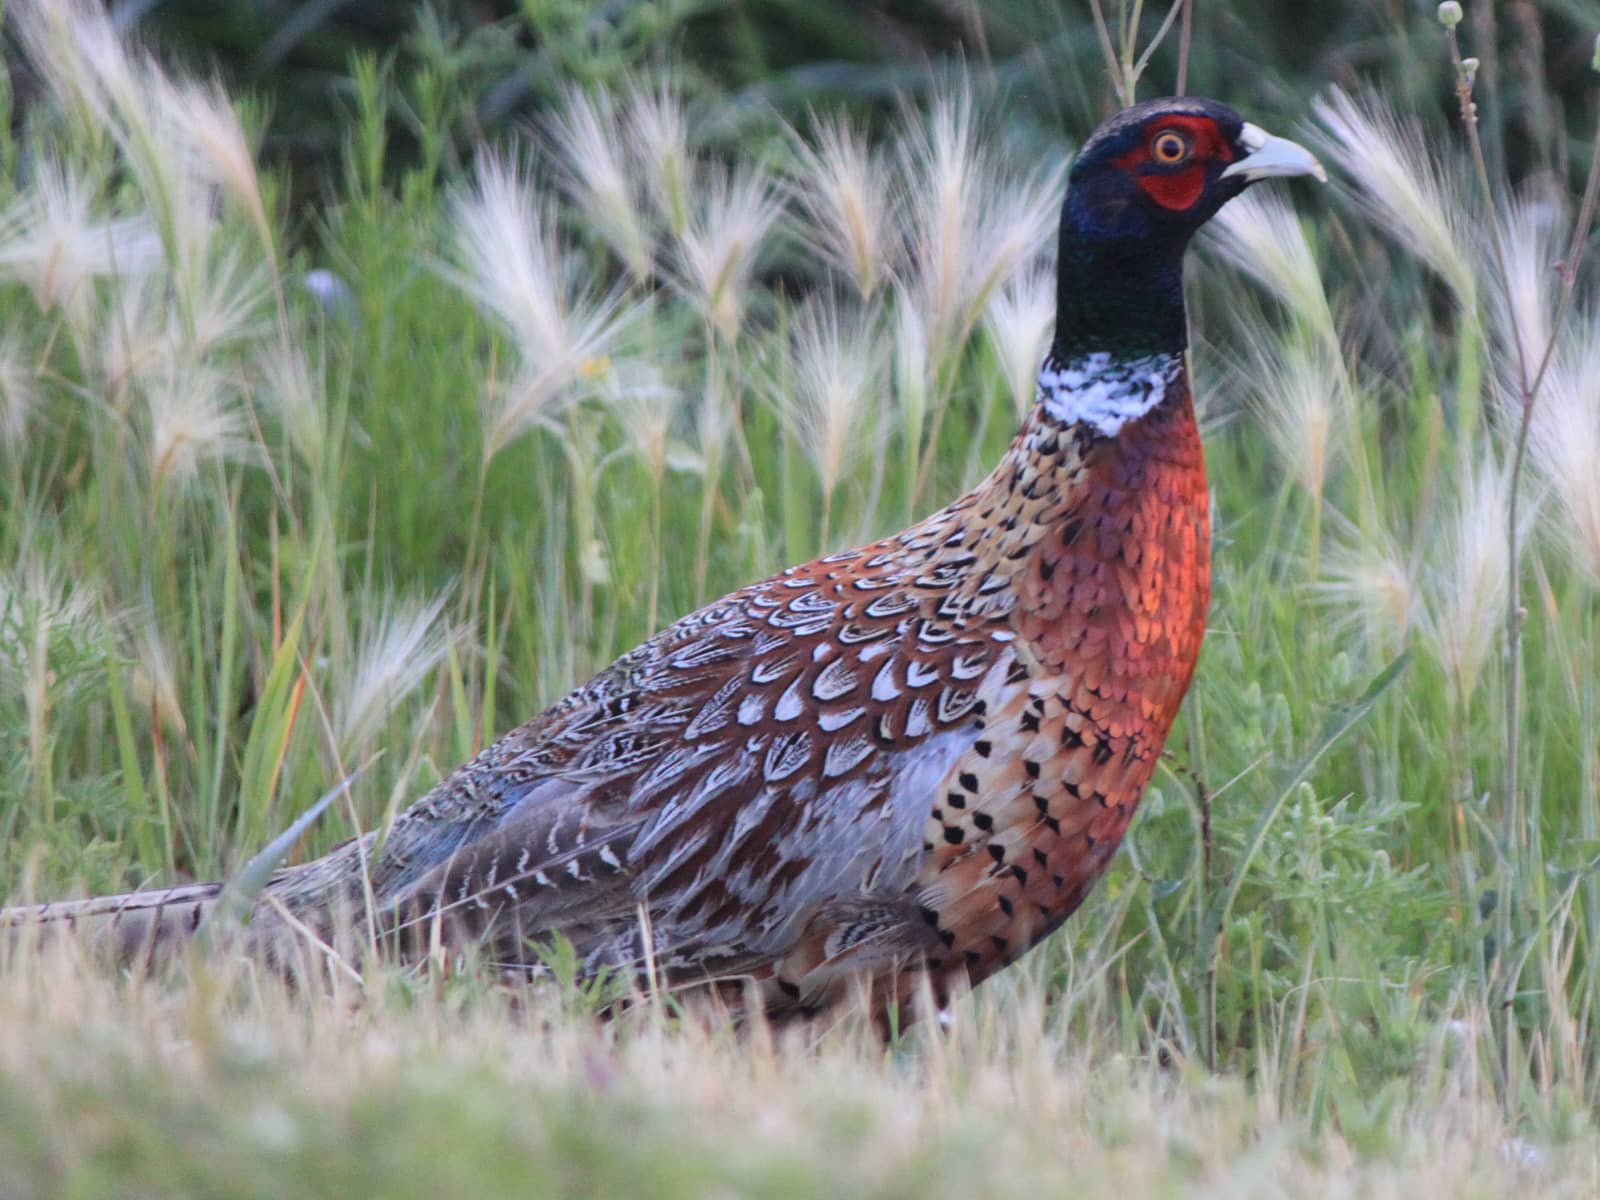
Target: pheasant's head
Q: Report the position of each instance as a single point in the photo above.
(1142, 184)
(1165, 167)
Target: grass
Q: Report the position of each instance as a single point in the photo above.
(285, 493)
(231, 1088)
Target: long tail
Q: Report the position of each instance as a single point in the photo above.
(136, 927)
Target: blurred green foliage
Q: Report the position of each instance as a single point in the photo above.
(504, 62)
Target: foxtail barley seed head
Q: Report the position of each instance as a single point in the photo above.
(123, 92)
(967, 221)
(1465, 594)
(404, 641)
(590, 142)
(290, 389)
(227, 304)
(713, 420)
(1301, 397)
(912, 368)
(182, 143)
(848, 208)
(1530, 230)
(135, 333)
(943, 202)
(206, 119)
(51, 241)
(833, 372)
(1261, 234)
(1402, 187)
(512, 264)
(1565, 441)
(1014, 231)
(81, 57)
(154, 678)
(1019, 319)
(194, 419)
(732, 213)
(505, 243)
(645, 406)
(658, 134)
(17, 383)
(1371, 588)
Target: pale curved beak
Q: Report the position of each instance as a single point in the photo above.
(1270, 157)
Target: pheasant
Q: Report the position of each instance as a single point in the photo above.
(899, 765)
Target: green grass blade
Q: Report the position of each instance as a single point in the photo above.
(1339, 723)
(239, 894)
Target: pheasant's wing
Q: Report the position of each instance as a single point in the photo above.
(767, 756)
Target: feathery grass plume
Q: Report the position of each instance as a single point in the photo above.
(1402, 187)
(88, 67)
(732, 213)
(833, 369)
(51, 241)
(513, 265)
(153, 681)
(401, 643)
(941, 210)
(645, 406)
(135, 333)
(1530, 239)
(1019, 319)
(79, 54)
(210, 125)
(40, 604)
(658, 139)
(226, 305)
(37, 592)
(912, 367)
(1372, 589)
(1015, 229)
(194, 419)
(1464, 602)
(714, 419)
(290, 389)
(969, 221)
(182, 141)
(589, 140)
(1261, 234)
(1564, 441)
(1298, 391)
(848, 209)
(17, 380)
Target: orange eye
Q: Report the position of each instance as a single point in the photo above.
(1169, 148)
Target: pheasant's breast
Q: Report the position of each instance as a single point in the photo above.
(1109, 613)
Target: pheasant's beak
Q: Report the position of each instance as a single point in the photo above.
(1268, 157)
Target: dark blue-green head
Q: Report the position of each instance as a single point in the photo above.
(1143, 183)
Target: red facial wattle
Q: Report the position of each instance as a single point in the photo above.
(1178, 187)
(1175, 190)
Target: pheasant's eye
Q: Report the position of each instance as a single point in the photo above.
(1169, 147)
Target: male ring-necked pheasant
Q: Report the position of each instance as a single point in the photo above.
(907, 760)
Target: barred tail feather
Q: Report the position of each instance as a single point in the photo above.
(136, 927)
